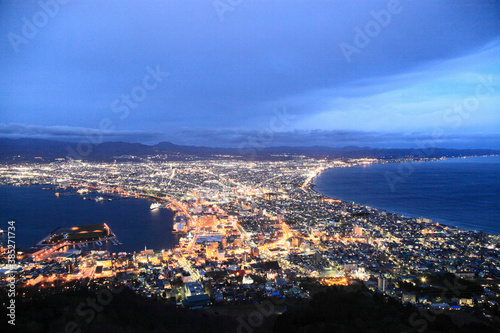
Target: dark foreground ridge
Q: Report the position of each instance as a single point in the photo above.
(88, 310)
(38, 150)
(354, 309)
(332, 309)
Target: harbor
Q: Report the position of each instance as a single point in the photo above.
(131, 219)
(63, 239)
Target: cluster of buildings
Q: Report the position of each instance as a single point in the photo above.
(252, 230)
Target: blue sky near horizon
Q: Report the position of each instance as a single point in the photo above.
(265, 73)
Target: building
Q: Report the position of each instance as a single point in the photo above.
(465, 275)
(409, 298)
(105, 263)
(295, 241)
(186, 277)
(382, 283)
(440, 306)
(147, 252)
(180, 223)
(193, 288)
(207, 220)
(466, 302)
(358, 231)
(221, 255)
(209, 237)
(196, 301)
(211, 249)
(270, 196)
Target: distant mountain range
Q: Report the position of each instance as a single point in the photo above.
(25, 150)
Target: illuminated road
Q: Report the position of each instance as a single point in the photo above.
(44, 255)
(287, 233)
(187, 267)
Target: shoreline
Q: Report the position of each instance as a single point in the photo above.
(312, 186)
(116, 223)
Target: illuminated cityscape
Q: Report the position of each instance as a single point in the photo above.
(250, 231)
(250, 166)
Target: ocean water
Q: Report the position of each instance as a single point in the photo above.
(37, 212)
(463, 192)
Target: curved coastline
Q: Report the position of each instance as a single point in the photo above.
(393, 210)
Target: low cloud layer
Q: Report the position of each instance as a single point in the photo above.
(67, 133)
(332, 138)
(257, 138)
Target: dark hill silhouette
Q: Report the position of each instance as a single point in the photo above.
(126, 312)
(25, 150)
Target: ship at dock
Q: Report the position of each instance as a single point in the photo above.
(155, 205)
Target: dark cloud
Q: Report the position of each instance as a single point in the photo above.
(232, 71)
(66, 133)
(330, 138)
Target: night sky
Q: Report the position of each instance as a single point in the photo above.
(232, 72)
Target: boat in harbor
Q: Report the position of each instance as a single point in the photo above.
(155, 205)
